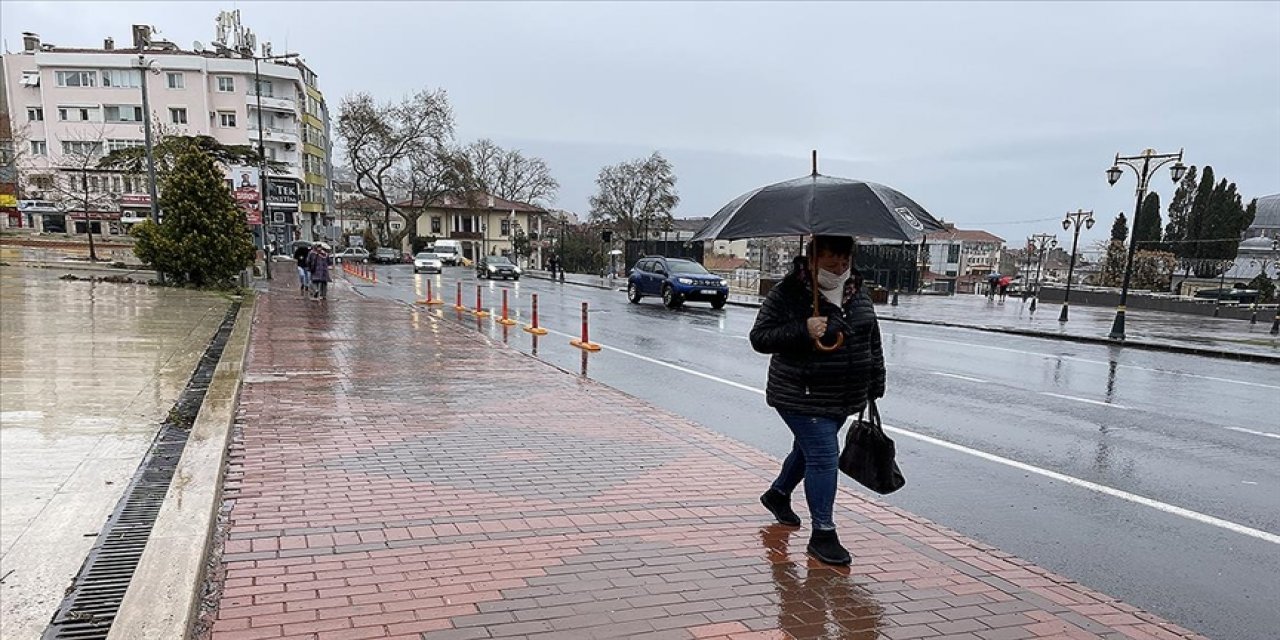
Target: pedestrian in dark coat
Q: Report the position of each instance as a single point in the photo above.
(318, 261)
(300, 254)
(814, 391)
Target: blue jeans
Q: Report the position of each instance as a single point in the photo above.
(814, 458)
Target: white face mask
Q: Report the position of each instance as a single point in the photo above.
(829, 281)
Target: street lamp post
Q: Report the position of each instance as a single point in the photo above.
(1223, 267)
(264, 179)
(1143, 165)
(145, 67)
(1275, 256)
(1080, 217)
(1040, 242)
(898, 276)
(1026, 271)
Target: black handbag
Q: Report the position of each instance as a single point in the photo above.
(868, 455)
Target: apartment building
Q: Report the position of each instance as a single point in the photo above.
(70, 106)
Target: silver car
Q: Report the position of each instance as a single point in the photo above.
(427, 263)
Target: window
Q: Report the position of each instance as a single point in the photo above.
(35, 114)
(265, 89)
(176, 80)
(121, 113)
(76, 78)
(178, 115)
(226, 84)
(953, 253)
(77, 114)
(42, 181)
(126, 78)
(39, 148)
(506, 227)
(395, 226)
(30, 78)
(227, 119)
(81, 147)
(435, 225)
(117, 144)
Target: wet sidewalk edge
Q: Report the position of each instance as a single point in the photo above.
(164, 593)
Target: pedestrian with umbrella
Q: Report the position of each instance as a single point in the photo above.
(819, 326)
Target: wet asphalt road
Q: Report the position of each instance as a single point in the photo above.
(1151, 477)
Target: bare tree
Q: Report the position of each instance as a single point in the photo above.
(509, 174)
(78, 182)
(433, 173)
(636, 195)
(381, 142)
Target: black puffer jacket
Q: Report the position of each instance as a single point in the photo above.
(801, 378)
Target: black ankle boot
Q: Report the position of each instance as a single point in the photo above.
(825, 546)
(780, 506)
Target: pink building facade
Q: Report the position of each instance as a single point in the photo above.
(70, 106)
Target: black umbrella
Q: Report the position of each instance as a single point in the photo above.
(821, 205)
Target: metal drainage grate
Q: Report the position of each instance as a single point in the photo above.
(94, 597)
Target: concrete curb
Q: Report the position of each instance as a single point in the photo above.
(164, 594)
(580, 284)
(1149, 346)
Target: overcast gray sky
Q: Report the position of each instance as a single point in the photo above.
(988, 114)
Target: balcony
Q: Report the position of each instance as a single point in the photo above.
(464, 235)
(273, 134)
(272, 102)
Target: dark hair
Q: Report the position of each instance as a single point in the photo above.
(839, 245)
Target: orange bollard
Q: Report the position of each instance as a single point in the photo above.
(479, 310)
(533, 327)
(584, 343)
(506, 320)
(431, 298)
(458, 300)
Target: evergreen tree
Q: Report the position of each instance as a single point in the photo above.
(203, 239)
(1179, 210)
(1195, 221)
(1146, 225)
(1120, 229)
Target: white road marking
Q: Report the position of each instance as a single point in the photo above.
(957, 376)
(1085, 360)
(1196, 516)
(1256, 433)
(1077, 399)
(720, 333)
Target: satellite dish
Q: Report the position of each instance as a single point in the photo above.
(197, 46)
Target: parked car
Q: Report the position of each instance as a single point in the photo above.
(352, 254)
(497, 267)
(675, 280)
(387, 255)
(427, 263)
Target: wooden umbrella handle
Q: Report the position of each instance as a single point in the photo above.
(813, 275)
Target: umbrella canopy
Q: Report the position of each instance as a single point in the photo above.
(821, 205)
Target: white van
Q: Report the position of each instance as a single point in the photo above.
(450, 251)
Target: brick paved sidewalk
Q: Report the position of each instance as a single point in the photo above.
(395, 475)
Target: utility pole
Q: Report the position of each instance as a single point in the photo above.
(144, 68)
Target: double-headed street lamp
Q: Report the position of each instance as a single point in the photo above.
(1144, 165)
(1040, 242)
(1076, 220)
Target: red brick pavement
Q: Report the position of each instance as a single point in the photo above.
(396, 475)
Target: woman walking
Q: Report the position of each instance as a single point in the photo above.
(318, 261)
(300, 253)
(815, 391)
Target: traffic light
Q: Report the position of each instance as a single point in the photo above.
(606, 236)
